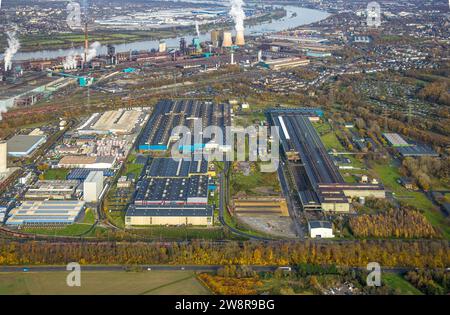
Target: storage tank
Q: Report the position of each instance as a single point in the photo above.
(215, 38)
(196, 44)
(162, 46)
(3, 156)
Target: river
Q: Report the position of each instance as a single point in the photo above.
(302, 16)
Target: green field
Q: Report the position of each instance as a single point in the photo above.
(179, 233)
(331, 142)
(103, 283)
(397, 282)
(76, 229)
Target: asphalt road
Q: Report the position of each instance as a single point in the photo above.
(193, 268)
(222, 205)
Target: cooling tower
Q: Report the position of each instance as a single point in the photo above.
(215, 38)
(162, 47)
(3, 156)
(227, 40)
(197, 44)
(240, 39)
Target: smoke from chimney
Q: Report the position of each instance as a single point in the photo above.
(91, 53)
(13, 47)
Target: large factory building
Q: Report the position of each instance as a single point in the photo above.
(47, 212)
(319, 184)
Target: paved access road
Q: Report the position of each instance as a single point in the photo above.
(222, 204)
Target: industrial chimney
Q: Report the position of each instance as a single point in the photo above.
(215, 38)
(240, 38)
(227, 40)
(162, 46)
(3, 157)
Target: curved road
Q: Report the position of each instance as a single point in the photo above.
(222, 205)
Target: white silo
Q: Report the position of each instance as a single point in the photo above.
(227, 40)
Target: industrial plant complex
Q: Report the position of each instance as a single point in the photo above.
(224, 147)
(168, 114)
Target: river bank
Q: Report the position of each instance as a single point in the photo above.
(36, 42)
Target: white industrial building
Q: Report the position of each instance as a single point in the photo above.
(92, 162)
(93, 186)
(320, 229)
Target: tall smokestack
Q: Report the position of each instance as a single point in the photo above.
(3, 157)
(227, 40)
(215, 38)
(197, 28)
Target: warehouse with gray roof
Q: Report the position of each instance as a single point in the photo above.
(24, 145)
(47, 213)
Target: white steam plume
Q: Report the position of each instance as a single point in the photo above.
(13, 47)
(92, 51)
(238, 14)
(197, 28)
(71, 61)
(0, 4)
(3, 109)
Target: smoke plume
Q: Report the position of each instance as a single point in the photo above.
(3, 109)
(238, 14)
(92, 51)
(197, 28)
(71, 61)
(13, 47)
